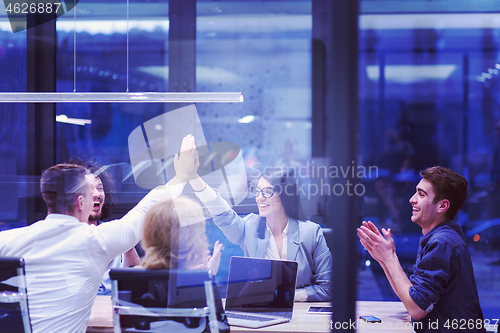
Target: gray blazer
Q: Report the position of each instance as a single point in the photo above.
(306, 245)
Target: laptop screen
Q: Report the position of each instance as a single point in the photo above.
(261, 285)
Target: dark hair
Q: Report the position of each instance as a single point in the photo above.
(449, 185)
(99, 170)
(285, 185)
(61, 185)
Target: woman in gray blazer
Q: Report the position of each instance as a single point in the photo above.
(276, 232)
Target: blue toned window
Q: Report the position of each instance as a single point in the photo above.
(101, 62)
(428, 87)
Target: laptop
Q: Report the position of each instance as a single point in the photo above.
(260, 292)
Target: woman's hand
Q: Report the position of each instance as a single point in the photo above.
(212, 262)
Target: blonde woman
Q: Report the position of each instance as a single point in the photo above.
(174, 237)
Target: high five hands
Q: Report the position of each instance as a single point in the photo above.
(186, 168)
(186, 163)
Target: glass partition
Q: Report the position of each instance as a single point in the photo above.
(428, 87)
(262, 49)
(13, 129)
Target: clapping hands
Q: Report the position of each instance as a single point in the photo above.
(380, 245)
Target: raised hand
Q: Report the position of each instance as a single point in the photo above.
(212, 262)
(186, 163)
(197, 183)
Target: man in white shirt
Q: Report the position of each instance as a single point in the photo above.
(65, 258)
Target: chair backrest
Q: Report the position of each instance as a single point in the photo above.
(154, 300)
(14, 312)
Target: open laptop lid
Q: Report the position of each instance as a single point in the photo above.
(261, 286)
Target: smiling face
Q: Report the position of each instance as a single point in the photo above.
(98, 197)
(268, 207)
(426, 213)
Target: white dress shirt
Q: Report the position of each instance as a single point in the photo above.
(65, 261)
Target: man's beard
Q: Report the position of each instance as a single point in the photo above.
(94, 216)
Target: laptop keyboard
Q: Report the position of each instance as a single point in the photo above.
(248, 317)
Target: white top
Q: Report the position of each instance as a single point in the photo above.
(273, 253)
(272, 249)
(65, 261)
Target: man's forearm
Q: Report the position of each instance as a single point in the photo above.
(401, 286)
(389, 278)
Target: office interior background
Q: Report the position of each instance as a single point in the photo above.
(386, 88)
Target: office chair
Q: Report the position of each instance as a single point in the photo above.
(160, 300)
(14, 313)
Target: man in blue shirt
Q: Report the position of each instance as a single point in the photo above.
(441, 295)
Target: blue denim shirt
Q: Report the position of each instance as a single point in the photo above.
(444, 284)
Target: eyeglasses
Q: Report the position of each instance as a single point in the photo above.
(267, 192)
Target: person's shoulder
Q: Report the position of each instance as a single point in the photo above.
(252, 222)
(16, 236)
(22, 230)
(447, 230)
(307, 224)
(252, 218)
(447, 235)
(9, 233)
(307, 227)
(99, 222)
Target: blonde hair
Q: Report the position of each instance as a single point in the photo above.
(174, 234)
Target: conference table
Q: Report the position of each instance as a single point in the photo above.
(394, 318)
